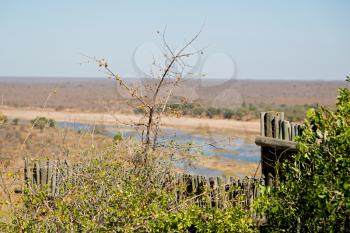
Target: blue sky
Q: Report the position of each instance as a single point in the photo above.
(266, 39)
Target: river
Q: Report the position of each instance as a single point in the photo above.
(218, 145)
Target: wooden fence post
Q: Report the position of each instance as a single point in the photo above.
(276, 141)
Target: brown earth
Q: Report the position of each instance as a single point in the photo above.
(103, 94)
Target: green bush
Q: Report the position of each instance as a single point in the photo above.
(313, 192)
(228, 113)
(240, 113)
(117, 137)
(211, 112)
(3, 118)
(252, 108)
(15, 121)
(198, 111)
(184, 108)
(245, 111)
(200, 219)
(139, 110)
(42, 122)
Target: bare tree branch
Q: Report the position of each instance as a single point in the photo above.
(173, 61)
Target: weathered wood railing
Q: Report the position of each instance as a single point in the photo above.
(219, 191)
(276, 140)
(50, 174)
(206, 191)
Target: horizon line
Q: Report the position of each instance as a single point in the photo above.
(206, 78)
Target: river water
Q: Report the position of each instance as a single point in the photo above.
(218, 145)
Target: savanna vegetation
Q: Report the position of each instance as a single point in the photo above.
(79, 94)
(126, 186)
(244, 112)
(112, 192)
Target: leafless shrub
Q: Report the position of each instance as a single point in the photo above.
(157, 91)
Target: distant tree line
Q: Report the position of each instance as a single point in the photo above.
(243, 112)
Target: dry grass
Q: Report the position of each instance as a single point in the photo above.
(50, 143)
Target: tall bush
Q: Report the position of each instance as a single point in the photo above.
(313, 194)
(42, 122)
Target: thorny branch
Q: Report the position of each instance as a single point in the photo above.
(154, 109)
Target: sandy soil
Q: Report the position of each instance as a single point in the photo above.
(247, 129)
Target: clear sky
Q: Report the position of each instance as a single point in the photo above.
(267, 39)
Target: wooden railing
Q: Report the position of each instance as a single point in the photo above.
(277, 141)
(51, 175)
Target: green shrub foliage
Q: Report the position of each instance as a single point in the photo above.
(3, 118)
(107, 196)
(15, 121)
(42, 122)
(117, 137)
(313, 194)
(243, 112)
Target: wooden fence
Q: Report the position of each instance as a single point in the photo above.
(273, 125)
(206, 191)
(50, 174)
(219, 191)
(277, 141)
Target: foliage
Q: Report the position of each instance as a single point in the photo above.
(198, 111)
(200, 219)
(42, 122)
(240, 113)
(211, 112)
(107, 196)
(3, 118)
(139, 110)
(15, 121)
(185, 108)
(313, 194)
(228, 113)
(243, 112)
(117, 137)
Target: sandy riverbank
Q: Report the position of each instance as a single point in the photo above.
(246, 129)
